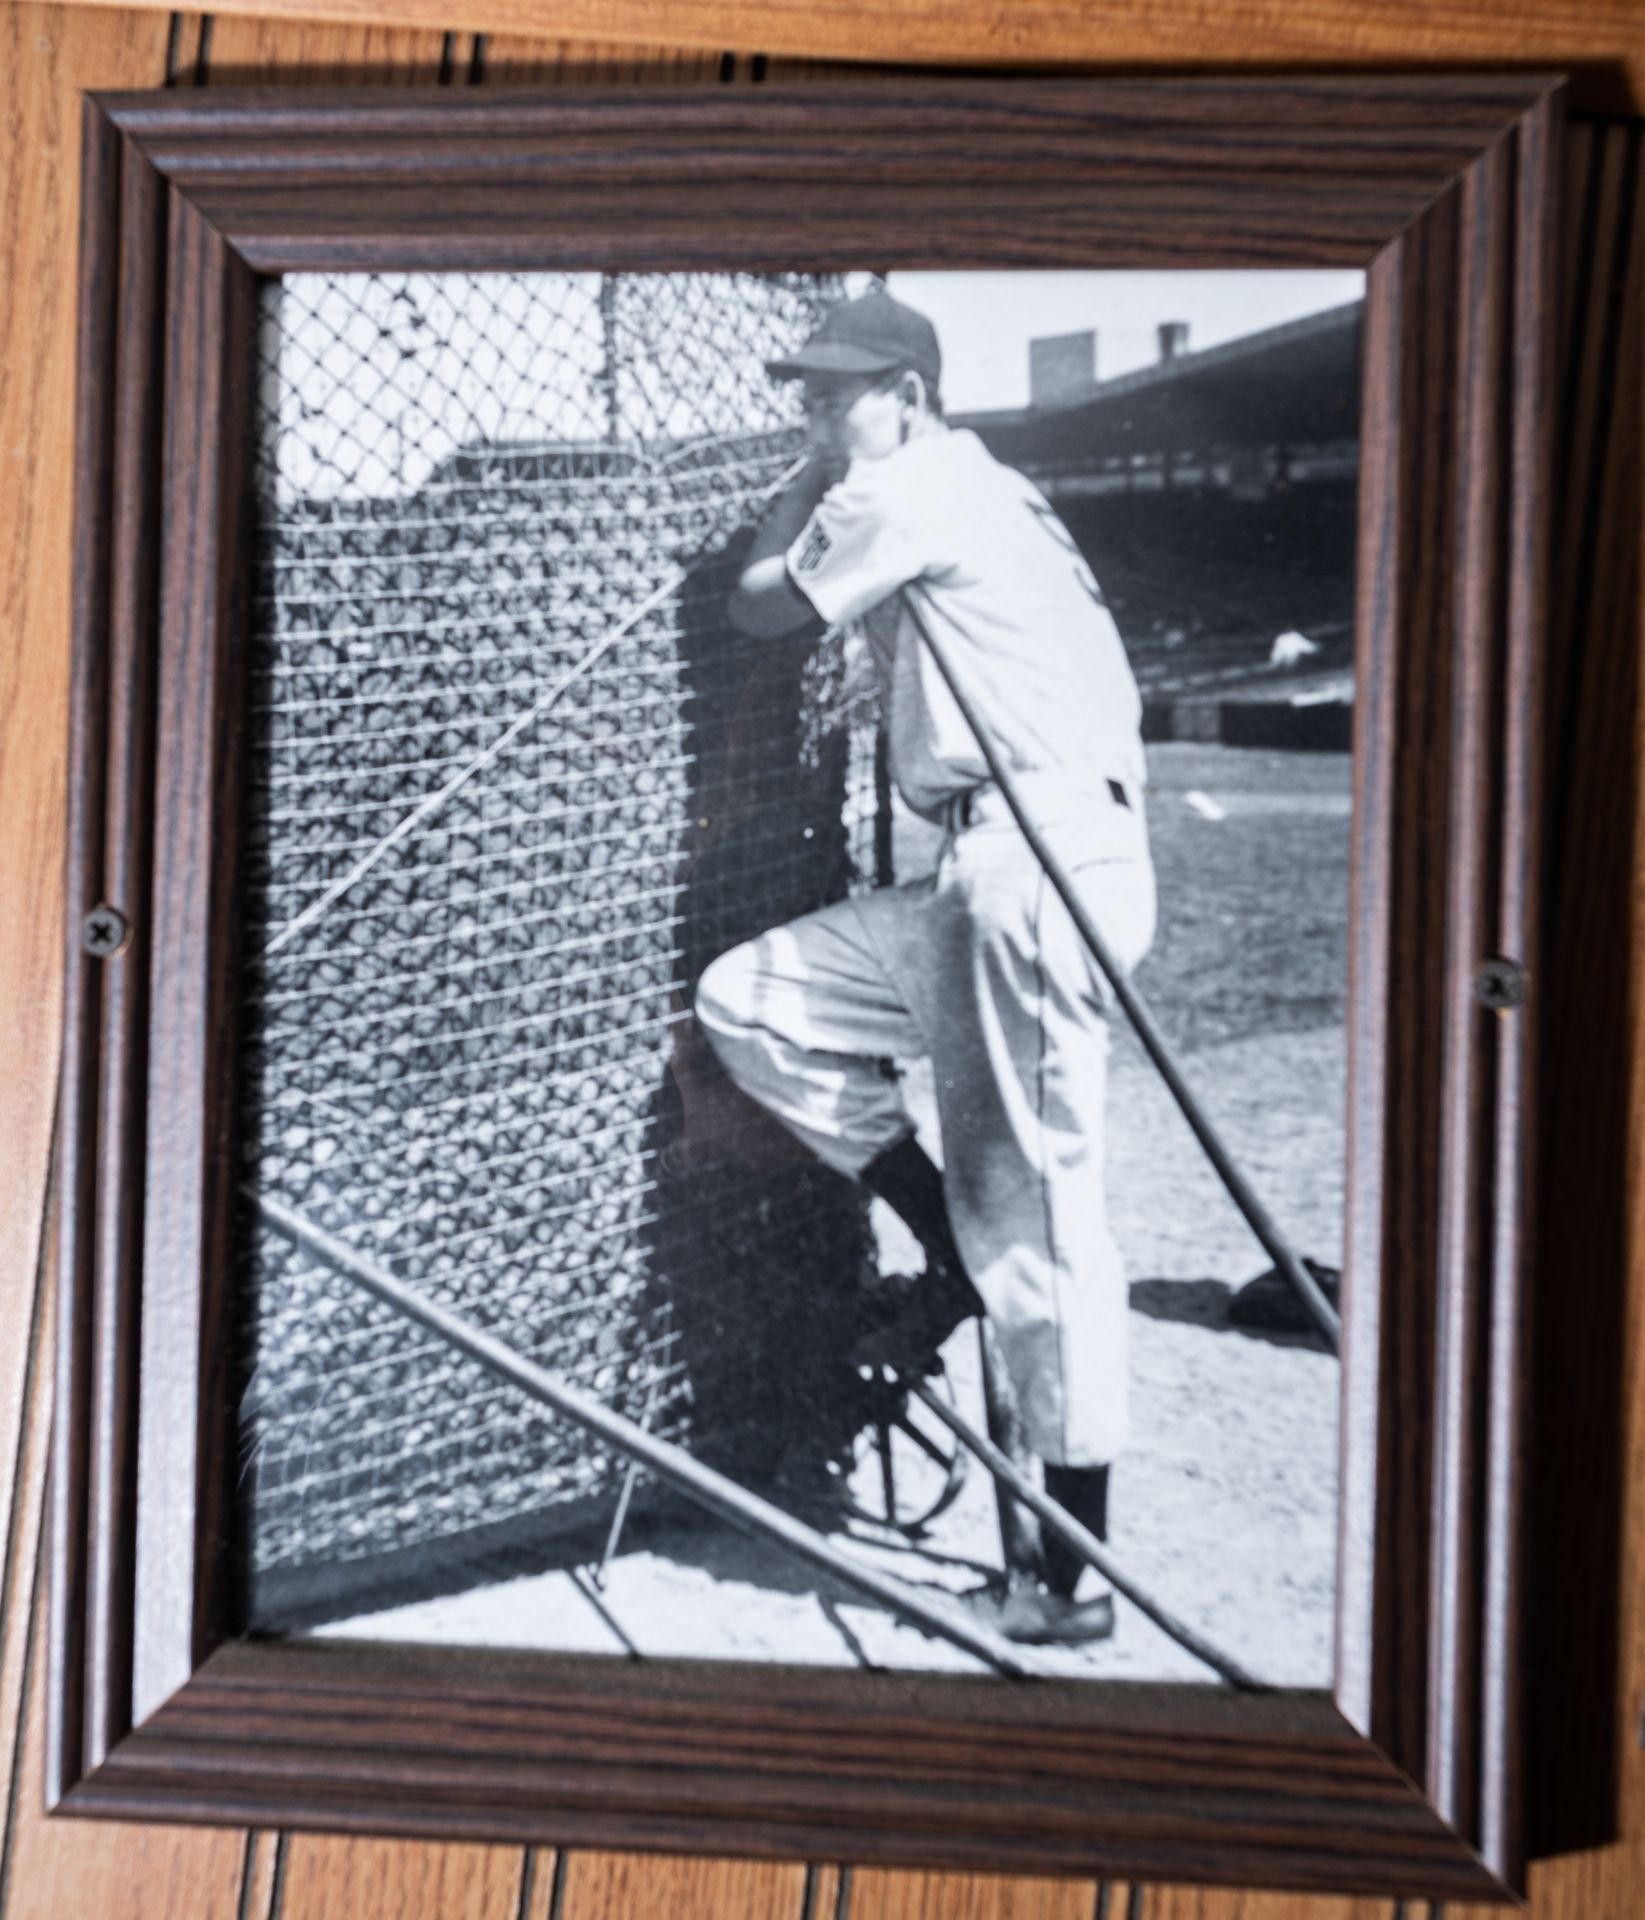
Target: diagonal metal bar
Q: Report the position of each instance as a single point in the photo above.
(1082, 1541)
(432, 802)
(736, 1504)
(1240, 1190)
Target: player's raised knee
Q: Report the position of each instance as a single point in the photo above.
(724, 1000)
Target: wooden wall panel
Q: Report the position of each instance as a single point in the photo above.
(264, 1870)
(827, 1893)
(968, 1896)
(1602, 41)
(49, 55)
(328, 1877)
(508, 60)
(109, 1870)
(244, 52)
(20, 1586)
(1204, 1903)
(540, 1891)
(598, 1886)
(152, 1874)
(188, 48)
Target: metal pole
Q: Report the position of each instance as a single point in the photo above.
(669, 1462)
(609, 366)
(1084, 1543)
(1244, 1195)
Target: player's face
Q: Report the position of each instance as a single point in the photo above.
(852, 416)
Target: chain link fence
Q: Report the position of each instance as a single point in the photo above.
(513, 782)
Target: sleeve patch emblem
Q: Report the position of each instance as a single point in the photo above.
(815, 550)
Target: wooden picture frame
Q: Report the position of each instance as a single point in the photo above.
(1410, 1778)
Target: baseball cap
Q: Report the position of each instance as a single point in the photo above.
(872, 334)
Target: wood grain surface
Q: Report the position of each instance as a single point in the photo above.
(49, 54)
(940, 171)
(48, 1870)
(960, 1896)
(1202, 1903)
(325, 1877)
(510, 60)
(596, 1885)
(1248, 171)
(246, 50)
(1602, 42)
(1584, 1662)
(112, 1871)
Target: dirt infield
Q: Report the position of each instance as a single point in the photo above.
(1225, 1506)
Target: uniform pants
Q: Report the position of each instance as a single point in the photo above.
(980, 967)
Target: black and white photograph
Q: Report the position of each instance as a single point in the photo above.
(794, 932)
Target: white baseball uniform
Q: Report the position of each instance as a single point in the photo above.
(977, 965)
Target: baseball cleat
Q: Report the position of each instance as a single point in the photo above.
(1034, 1616)
(904, 1320)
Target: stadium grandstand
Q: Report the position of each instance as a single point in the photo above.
(1214, 495)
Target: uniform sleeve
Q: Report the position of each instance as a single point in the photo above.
(857, 549)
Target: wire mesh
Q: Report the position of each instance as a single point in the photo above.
(512, 783)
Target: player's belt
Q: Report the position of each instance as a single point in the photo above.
(986, 802)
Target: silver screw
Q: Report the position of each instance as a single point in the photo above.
(1500, 985)
(105, 932)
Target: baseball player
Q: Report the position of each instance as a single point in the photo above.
(906, 524)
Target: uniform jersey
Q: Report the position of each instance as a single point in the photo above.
(1007, 595)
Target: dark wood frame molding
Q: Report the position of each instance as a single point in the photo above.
(1406, 1781)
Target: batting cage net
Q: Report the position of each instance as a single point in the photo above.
(513, 782)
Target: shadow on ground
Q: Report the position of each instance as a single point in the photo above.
(1205, 1303)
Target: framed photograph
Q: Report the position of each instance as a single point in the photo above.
(803, 866)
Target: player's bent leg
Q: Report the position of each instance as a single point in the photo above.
(906, 1325)
(801, 1019)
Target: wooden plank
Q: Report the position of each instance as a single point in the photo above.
(600, 1885)
(110, 1870)
(827, 1893)
(540, 1891)
(966, 1896)
(187, 49)
(1209, 1903)
(50, 54)
(508, 59)
(22, 1587)
(245, 51)
(406, 1878)
(1602, 42)
(265, 1865)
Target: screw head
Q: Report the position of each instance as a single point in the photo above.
(105, 931)
(1500, 985)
